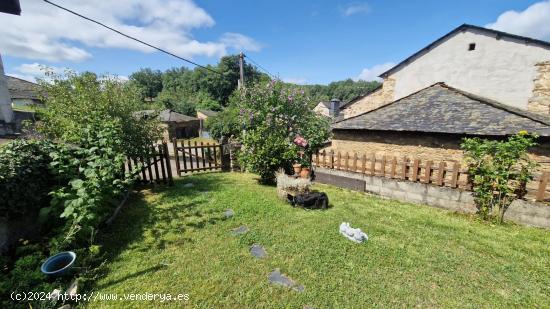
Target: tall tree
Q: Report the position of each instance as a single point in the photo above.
(149, 81)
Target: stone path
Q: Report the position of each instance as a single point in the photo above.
(240, 230)
(276, 277)
(258, 251)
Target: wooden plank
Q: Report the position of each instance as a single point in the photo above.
(209, 152)
(324, 163)
(203, 157)
(541, 192)
(404, 165)
(428, 171)
(197, 160)
(216, 156)
(339, 158)
(393, 167)
(176, 155)
(331, 159)
(354, 165)
(143, 168)
(363, 163)
(383, 166)
(155, 154)
(168, 164)
(372, 164)
(454, 176)
(163, 173)
(346, 162)
(441, 173)
(414, 176)
(317, 158)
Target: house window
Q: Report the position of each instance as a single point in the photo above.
(472, 46)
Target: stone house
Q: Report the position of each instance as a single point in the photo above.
(328, 108)
(175, 125)
(203, 115)
(23, 93)
(471, 82)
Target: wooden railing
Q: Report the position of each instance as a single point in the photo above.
(440, 173)
(195, 157)
(155, 166)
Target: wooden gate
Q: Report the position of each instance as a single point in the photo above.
(156, 166)
(195, 157)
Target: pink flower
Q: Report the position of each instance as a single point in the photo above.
(300, 141)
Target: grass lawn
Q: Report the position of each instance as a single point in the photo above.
(176, 240)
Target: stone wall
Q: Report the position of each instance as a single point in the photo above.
(520, 211)
(375, 99)
(423, 146)
(540, 100)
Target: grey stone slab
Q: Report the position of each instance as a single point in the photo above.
(327, 177)
(240, 230)
(229, 213)
(258, 251)
(277, 278)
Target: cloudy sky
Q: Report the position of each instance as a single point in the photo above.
(301, 41)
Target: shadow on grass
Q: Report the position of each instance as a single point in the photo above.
(157, 217)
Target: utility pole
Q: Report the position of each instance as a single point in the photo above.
(6, 111)
(241, 70)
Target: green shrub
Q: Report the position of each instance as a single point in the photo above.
(225, 124)
(499, 171)
(75, 101)
(275, 118)
(25, 177)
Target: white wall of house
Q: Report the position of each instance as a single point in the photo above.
(499, 69)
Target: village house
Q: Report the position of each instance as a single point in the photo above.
(328, 108)
(471, 82)
(23, 93)
(174, 124)
(203, 115)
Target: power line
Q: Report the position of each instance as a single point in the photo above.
(131, 37)
(273, 76)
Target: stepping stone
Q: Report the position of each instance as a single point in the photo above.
(229, 213)
(258, 251)
(275, 277)
(188, 185)
(240, 230)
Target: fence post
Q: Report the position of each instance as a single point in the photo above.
(542, 186)
(168, 164)
(225, 157)
(176, 156)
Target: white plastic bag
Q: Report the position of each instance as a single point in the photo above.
(352, 234)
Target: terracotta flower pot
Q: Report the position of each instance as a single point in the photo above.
(305, 172)
(297, 168)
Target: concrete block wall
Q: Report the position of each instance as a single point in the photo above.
(520, 211)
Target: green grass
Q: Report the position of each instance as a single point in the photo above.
(416, 255)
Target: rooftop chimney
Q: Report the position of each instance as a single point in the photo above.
(334, 108)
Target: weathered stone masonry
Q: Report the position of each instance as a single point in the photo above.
(540, 101)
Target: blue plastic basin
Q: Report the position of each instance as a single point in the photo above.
(59, 264)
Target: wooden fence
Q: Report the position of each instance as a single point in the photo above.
(156, 167)
(195, 157)
(440, 173)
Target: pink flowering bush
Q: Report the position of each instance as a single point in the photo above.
(278, 124)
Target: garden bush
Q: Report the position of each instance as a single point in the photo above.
(499, 171)
(274, 115)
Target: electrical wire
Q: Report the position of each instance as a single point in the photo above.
(254, 62)
(131, 37)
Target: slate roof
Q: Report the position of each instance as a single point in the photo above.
(443, 109)
(167, 115)
(22, 89)
(207, 112)
(464, 27)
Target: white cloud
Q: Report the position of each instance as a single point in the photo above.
(372, 73)
(533, 22)
(240, 42)
(356, 8)
(295, 80)
(47, 33)
(33, 71)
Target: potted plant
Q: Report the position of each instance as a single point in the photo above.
(304, 162)
(297, 168)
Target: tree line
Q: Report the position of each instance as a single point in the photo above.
(187, 90)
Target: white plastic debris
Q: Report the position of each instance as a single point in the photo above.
(352, 234)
